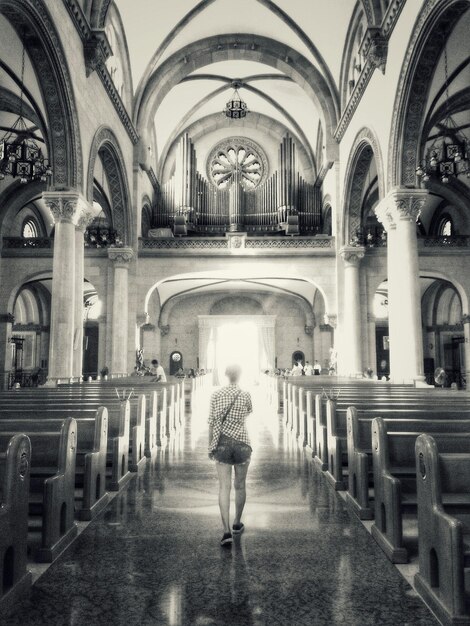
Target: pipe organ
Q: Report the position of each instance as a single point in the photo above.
(284, 201)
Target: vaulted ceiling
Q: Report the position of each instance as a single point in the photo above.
(186, 54)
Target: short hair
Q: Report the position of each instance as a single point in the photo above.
(154, 362)
(233, 372)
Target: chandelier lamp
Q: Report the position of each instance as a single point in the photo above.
(448, 155)
(236, 108)
(20, 155)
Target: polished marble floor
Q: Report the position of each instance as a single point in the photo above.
(154, 558)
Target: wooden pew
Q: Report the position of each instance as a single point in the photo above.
(321, 434)
(443, 486)
(90, 467)
(15, 579)
(52, 487)
(138, 458)
(310, 420)
(117, 470)
(336, 428)
(359, 496)
(393, 457)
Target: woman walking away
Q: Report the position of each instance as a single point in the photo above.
(229, 445)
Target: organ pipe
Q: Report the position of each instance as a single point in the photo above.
(285, 193)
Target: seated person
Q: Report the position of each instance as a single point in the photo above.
(157, 371)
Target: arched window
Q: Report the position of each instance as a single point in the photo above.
(30, 229)
(446, 228)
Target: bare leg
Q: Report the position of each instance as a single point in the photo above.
(240, 490)
(225, 484)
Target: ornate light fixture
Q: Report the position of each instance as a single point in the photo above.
(448, 155)
(20, 155)
(236, 108)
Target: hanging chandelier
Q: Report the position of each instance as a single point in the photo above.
(448, 155)
(236, 108)
(20, 155)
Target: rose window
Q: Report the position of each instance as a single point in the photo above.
(237, 155)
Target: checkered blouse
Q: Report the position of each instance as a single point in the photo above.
(234, 425)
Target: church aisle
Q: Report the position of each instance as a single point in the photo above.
(154, 558)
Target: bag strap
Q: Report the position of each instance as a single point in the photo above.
(232, 404)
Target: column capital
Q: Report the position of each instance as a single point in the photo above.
(142, 319)
(465, 318)
(68, 206)
(330, 320)
(352, 255)
(401, 204)
(121, 257)
(84, 220)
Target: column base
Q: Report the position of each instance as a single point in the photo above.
(51, 382)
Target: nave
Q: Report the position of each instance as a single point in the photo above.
(153, 556)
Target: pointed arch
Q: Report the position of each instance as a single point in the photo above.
(251, 47)
(365, 148)
(35, 27)
(431, 30)
(106, 145)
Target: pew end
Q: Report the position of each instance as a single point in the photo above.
(95, 497)
(58, 525)
(444, 532)
(15, 579)
(359, 466)
(119, 457)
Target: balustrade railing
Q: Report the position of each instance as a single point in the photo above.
(29, 243)
(444, 241)
(248, 243)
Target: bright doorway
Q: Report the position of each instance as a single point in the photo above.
(238, 343)
(237, 339)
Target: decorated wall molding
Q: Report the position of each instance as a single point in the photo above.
(356, 173)
(432, 28)
(96, 51)
(45, 51)
(107, 146)
(374, 51)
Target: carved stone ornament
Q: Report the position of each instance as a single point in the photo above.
(7, 318)
(66, 206)
(309, 330)
(401, 205)
(377, 51)
(164, 330)
(121, 257)
(96, 49)
(352, 255)
(85, 219)
(466, 318)
(330, 320)
(142, 319)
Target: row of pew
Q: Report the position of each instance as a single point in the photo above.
(403, 457)
(61, 452)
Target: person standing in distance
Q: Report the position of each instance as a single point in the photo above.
(229, 446)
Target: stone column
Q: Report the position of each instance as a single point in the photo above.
(466, 328)
(351, 348)
(6, 330)
(398, 213)
(67, 208)
(120, 258)
(372, 332)
(83, 222)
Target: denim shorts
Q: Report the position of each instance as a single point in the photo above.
(231, 452)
